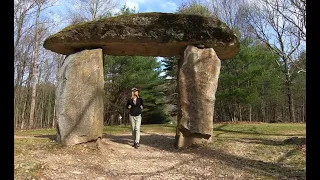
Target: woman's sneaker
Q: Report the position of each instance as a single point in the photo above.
(136, 145)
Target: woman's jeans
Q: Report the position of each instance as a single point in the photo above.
(135, 125)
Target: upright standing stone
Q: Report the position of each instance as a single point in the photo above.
(79, 97)
(197, 82)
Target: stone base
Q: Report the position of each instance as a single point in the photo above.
(183, 142)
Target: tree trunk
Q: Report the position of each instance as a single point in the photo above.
(289, 90)
(276, 112)
(263, 111)
(54, 117)
(303, 111)
(282, 113)
(34, 71)
(290, 102)
(23, 112)
(250, 112)
(18, 97)
(16, 113)
(240, 113)
(49, 110)
(39, 75)
(42, 108)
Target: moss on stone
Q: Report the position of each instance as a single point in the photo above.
(145, 27)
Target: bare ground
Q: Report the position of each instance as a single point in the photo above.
(115, 158)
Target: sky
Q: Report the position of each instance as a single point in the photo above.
(152, 5)
(168, 6)
(58, 12)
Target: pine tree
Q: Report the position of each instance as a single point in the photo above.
(248, 80)
(170, 88)
(125, 72)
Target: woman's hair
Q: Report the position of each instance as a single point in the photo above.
(132, 96)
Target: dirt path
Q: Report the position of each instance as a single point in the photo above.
(115, 158)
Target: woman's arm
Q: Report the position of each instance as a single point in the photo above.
(128, 104)
(141, 106)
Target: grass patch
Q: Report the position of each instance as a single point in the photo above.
(158, 128)
(263, 129)
(119, 129)
(30, 143)
(50, 131)
(270, 151)
(145, 128)
(24, 146)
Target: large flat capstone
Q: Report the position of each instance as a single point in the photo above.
(146, 34)
(79, 98)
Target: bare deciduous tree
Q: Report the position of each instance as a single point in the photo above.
(294, 13)
(35, 65)
(229, 11)
(87, 10)
(21, 10)
(195, 7)
(40, 5)
(271, 24)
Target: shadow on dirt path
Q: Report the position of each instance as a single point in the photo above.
(165, 142)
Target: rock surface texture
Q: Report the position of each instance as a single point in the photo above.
(146, 34)
(197, 81)
(79, 98)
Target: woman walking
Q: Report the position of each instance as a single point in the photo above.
(135, 105)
